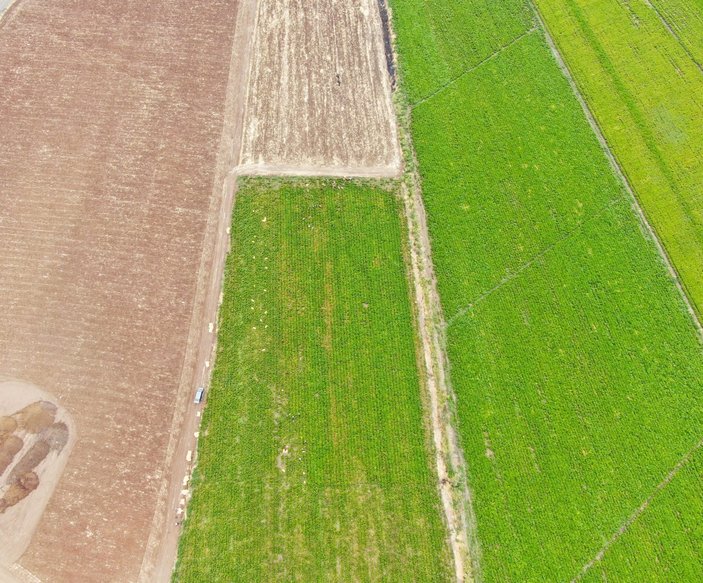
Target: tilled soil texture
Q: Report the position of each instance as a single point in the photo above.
(320, 97)
(111, 116)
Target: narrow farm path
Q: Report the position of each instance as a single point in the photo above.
(670, 29)
(5, 5)
(162, 547)
(450, 464)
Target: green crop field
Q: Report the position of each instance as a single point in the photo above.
(645, 88)
(313, 463)
(684, 19)
(577, 369)
(438, 43)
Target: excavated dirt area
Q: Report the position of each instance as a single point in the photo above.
(320, 96)
(36, 438)
(111, 115)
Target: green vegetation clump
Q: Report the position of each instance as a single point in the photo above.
(313, 462)
(577, 369)
(644, 82)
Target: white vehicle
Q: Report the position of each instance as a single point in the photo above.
(199, 394)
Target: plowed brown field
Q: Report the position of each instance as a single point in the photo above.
(111, 116)
(320, 96)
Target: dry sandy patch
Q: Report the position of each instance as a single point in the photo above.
(320, 100)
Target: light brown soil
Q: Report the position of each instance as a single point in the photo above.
(43, 434)
(111, 117)
(320, 96)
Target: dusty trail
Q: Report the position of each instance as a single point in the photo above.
(450, 464)
(314, 170)
(162, 549)
(5, 5)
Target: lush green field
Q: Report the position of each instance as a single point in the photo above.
(646, 91)
(438, 46)
(684, 18)
(313, 463)
(578, 372)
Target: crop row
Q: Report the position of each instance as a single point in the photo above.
(646, 91)
(313, 464)
(578, 372)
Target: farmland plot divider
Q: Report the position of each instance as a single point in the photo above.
(670, 29)
(619, 172)
(454, 489)
(5, 12)
(638, 511)
(525, 266)
(478, 65)
(162, 547)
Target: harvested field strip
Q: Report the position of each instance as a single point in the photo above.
(314, 460)
(646, 92)
(319, 101)
(578, 373)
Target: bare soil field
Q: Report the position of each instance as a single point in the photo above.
(320, 96)
(111, 178)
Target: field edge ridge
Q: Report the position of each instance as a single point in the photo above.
(450, 464)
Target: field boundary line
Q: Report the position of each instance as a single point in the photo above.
(638, 511)
(620, 173)
(673, 33)
(285, 170)
(237, 157)
(471, 69)
(536, 257)
(24, 574)
(440, 400)
(161, 551)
